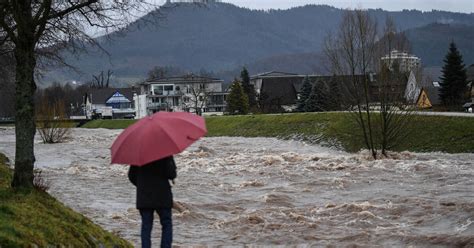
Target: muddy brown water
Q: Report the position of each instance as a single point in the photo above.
(269, 192)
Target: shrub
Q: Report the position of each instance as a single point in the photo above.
(51, 121)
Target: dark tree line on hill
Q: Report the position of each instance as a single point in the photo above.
(286, 40)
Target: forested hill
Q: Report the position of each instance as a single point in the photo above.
(222, 37)
(430, 42)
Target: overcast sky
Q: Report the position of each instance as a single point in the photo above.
(466, 6)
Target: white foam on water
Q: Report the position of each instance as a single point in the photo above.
(270, 192)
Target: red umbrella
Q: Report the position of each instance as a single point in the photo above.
(158, 136)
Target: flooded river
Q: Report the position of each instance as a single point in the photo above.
(265, 191)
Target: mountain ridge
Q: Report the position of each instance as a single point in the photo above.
(220, 37)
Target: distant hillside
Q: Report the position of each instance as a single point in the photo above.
(431, 42)
(221, 37)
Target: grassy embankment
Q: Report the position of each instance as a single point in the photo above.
(35, 219)
(427, 133)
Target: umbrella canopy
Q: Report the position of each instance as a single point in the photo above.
(158, 136)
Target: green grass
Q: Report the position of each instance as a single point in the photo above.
(35, 219)
(428, 133)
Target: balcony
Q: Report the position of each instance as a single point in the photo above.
(163, 94)
(157, 105)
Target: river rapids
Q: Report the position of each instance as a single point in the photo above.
(269, 192)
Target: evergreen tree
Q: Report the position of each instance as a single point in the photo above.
(317, 100)
(237, 101)
(248, 88)
(305, 92)
(454, 80)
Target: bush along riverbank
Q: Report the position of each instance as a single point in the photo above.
(426, 133)
(33, 218)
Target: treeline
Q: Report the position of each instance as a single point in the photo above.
(71, 98)
(320, 96)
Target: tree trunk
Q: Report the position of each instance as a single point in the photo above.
(25, 127)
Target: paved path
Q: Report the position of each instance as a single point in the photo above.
(454, 114)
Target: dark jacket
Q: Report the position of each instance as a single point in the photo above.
(152, 182)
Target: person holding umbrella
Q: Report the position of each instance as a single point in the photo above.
(148, 147)
(154, 194)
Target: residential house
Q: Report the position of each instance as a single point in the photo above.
(431, 84)
(189, 93)
(110, 103)
(470, 80)
(279, 91)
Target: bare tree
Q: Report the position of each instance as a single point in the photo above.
(52, 123)
(35, 30)
(377, 102)
(396, 114)
(159, 72)
(101, 80)
(350, 52)
(200, 94)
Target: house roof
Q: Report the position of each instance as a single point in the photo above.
(100, 96)
(432, 92)
(274, 74)
(116, 98)
(185, 79)
(431, 75)
(281, 90)
(284, 89)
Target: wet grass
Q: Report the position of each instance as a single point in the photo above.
(35, 219)
(427, 133)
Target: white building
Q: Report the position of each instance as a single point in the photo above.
(188, 93)
(109, 103)
(406, 62)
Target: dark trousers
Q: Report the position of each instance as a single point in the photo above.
(166, 226)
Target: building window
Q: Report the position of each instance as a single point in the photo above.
(158, 90)
(175, 101)
(168, 87)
